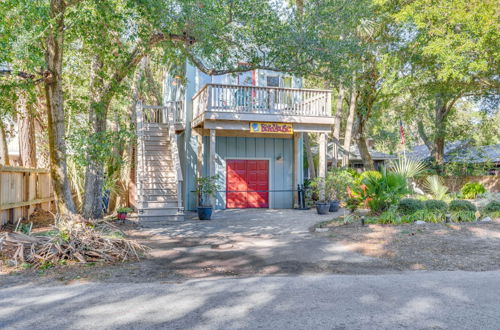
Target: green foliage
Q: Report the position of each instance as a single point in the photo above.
(462, 205)
(463, 216)
(493, 206)
(336, 183)
(470, 190)
(369, 174)
(385, 191)
(389, 217)
(408, 206)
(124, 210)
(436, 205)
(425, 215)
(352, 204)
(408, 167)
(435, 186)
(206, 188)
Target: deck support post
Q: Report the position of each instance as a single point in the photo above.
(199, 155)
(211, 159)
(296, 167)
(322, 165)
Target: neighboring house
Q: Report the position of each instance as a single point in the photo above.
(380, 159)
(247, 128)
(463, 153)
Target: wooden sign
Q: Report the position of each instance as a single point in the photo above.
(273, 128)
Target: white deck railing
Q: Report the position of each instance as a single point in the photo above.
(262, 100)
(171, 113)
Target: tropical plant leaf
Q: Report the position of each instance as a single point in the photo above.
(435, 186)
(408, 167)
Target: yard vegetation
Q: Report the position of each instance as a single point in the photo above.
(72, 71)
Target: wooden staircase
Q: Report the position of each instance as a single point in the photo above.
(159, 176)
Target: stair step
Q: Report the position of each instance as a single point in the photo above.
(157, 198)
(155, 205)
(158, 192)
(155, 222)
(159, 211)
(158, 180)
(161, 186)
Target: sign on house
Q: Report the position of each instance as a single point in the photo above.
(274, 128)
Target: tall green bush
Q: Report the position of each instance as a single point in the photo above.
(436, 205)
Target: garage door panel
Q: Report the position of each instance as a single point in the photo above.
(250, 176)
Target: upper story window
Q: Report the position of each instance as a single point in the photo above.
(273, 81)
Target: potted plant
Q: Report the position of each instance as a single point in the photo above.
(121, 213)
(336, 183)
(206, 188)
(318, 186)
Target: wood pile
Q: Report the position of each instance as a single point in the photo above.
(71, 241)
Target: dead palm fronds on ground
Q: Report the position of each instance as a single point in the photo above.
(71, 241)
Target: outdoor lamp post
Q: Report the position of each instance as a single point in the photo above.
(447, 218)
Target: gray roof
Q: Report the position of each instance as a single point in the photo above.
(354, 153)
(461, 152)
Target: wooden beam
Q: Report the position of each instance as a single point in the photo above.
(27, 203)
(13, 169)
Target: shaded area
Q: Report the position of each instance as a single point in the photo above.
(416, 300)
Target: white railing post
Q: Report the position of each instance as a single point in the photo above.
(140, 151)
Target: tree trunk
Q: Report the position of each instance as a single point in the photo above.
(26, 124)
(440, 127)
(94, 172)
(55, 109)
(349, 127)
(310, 159)
(365, 153)
(4, 147)
(336, 127)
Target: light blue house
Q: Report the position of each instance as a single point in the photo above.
(247, 128)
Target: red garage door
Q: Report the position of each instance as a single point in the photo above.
(249, 181)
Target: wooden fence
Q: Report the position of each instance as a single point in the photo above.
(23, 189)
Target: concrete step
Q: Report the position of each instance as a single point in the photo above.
(155, 222)
(154, 139)
(164, 211)
(151, 153)
(164, 157)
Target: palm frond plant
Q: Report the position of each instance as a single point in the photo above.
(436, 188)
(385, 190)
(407, 167)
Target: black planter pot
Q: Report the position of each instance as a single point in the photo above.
(334, 206)
(205, 213)
(322, 208)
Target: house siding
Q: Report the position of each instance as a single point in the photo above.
(280, 171)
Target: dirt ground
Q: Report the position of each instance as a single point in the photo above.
(432, 246)
(343, 249)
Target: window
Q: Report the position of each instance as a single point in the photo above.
(273, 81)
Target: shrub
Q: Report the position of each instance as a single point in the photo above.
(463, 216)
(436, 205)
(425, 215)
(408, 206)
(471, 189)
(336, 183)
(493, 206)
(385, 190)
(389, 217)
(461, 205)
